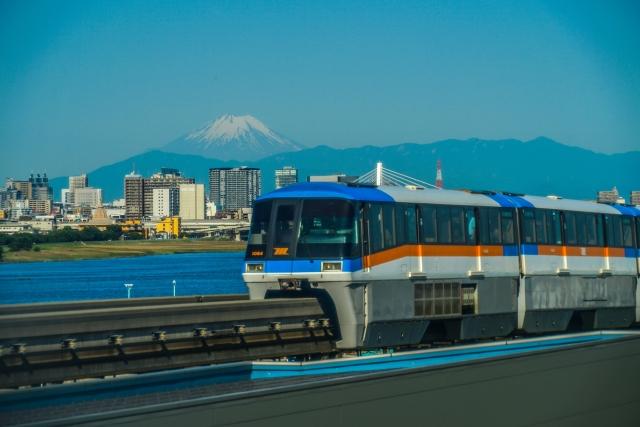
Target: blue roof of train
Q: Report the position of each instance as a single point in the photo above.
(627, 210)
(328, 190)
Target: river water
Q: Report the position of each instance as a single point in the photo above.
(151, 276)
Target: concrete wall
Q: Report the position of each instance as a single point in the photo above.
(591, 385)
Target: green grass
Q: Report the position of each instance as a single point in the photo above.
(94, 250)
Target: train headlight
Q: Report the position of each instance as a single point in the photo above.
(331, 266)
(255, 267)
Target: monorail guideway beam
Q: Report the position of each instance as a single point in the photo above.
(43, 347)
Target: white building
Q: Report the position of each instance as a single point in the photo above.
(165, 202)
(88, 197)
(192, 204)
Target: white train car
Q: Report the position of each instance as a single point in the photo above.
(396, 266)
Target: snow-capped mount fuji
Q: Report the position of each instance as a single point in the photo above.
(232, 137)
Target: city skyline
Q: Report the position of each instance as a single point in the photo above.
(341, 75)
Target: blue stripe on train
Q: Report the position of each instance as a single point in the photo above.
(510, 201)
(529, 249)
(631, 253)
(308, 265)
(627, 210)
(509, 250)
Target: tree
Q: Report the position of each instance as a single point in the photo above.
(21, 242)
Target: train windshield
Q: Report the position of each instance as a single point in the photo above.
(304, 229)
(257, 244)
(328, 229)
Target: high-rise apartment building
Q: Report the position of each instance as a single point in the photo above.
(166, 178)
(134, 195)
(165, 202)
(234, 188)
(635, 198)
(192, 204)
(286, 176)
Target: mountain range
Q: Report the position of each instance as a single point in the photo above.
(540, 166)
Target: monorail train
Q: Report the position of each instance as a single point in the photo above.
(398, 266)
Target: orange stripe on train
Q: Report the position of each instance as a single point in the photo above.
(431, 250)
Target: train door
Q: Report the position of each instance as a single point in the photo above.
(284, 235)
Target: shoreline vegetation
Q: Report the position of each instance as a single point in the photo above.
(71, 251)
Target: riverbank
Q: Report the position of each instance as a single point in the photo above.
(116, 249)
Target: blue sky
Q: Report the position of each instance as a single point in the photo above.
(87, 83)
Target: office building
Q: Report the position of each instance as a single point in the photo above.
(39, 207)
(192, 204)
(165, 202)
(22, 188)
(635, 198)
(40, 188)
(79, 181)
(134, 195)
(87, 197)
(234, 188)
(286, 176)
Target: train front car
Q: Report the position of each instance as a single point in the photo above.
(305, 240)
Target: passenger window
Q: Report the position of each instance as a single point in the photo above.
(457, 226)
(374, 218)
(600, 230)
(443, 214)
(614, 231)
(570, 228)
(490, 232)
(410, 221)
(581, 231)
(528, 226)
(590, 225)
(540, 227)
(506, 220)
(627, 232)
(389, 239)
(554, 234)
(470, 225)
(638, 232)
(428, 223)
(401, 225)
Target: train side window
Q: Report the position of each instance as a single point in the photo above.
(412, 226)
(570, 228)
(401, 225)
(443, 215)
(591, 229)
(581, 232)
(541, 233)
(554, 233)
(614, 231)
(428, 223)
(528, 226)
(638, 232)
(507, 224)
(490, 226)
(600, 230)
(388, 225)
(627, 232)
(470, 225)
(457, 226)
(374, 219)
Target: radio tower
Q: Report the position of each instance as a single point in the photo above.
(439, 174)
